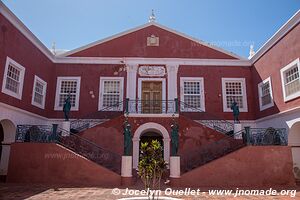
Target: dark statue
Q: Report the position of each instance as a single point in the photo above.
(127, 138)
(174, 138)
(67, 108)
(236, 111)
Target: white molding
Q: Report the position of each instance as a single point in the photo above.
(150, 126)
(280, 33)
(172, 73)
(58, 86)
(282, 74)
(202, 93)
(153, 61)
(261, 107)
(21, 81)
(244, 90)
(147, 25)
(38, 79)
(101, 88)
(151, 115)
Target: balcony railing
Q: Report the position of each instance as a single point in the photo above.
(151, 106)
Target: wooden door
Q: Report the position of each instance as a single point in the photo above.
(151, 97)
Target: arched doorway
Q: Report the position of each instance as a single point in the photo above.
(8, 130)
(294, 142)
(147, 132)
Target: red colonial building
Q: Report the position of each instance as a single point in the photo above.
(153, 77)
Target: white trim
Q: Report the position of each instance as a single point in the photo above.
(101, 88)
(151, 115)
(244, 90)
(147, 25)
(148, 127)
(271, 104)
(38, 79)
(282, 74)
(18, 95)
(154, 61)
(202, 94)
(131, 71)
(280, 33)
(58, 86)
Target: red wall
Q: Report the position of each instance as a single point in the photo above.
(135, 45)
(16, 46)
(213, 88)
(251, 166)
(54, 164)
(281, 54)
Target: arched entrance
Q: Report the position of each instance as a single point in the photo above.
(147, 132)
(294, 142)
(8, 132)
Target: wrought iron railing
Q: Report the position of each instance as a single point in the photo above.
(211, 151)
(233, 142)
(80, 145)
(266, 136)
(151, 106)
(93, 119)
(208, 119)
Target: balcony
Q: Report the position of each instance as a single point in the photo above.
(151, 107)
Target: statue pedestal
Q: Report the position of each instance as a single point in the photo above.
(65, 126)
(237, 128)
(175, 166)
(126, 171)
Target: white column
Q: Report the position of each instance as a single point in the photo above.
(66, 127)
(172, 71)
(135, 153)
(131, 81)
(237, 128)
(4, 159)
(175, 167)
(126, 170)
(167, 150)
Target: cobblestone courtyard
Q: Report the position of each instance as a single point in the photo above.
(14, 191)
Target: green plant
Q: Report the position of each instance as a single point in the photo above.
(151, 165)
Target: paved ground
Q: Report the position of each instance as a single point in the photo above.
(13, 191)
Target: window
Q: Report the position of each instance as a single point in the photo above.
(290, 80)
(234, 89)
(39, 92)
(192, 94)
(13, 78)
(265, 94)
(67, 86)
(111, 93)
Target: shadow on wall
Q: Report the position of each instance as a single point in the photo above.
(294, 142)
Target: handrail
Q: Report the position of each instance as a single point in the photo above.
(151, 106)
(85, 122)
(212, 121)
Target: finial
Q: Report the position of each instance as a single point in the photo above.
(53, 48)
(251, 52)
(152, 17)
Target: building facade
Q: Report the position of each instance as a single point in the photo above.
(152, 75)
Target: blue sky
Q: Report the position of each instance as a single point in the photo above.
(231, 24)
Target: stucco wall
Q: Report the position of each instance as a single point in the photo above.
(54, 164)
(256, 166)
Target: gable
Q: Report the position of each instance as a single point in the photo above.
(134, 44)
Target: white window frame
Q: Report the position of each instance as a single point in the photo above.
(38, 79)
(271, 104)
(58, 86)
(202, 97)
(101, 89)
(282, 73)
(244, 93)
(18, 95)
